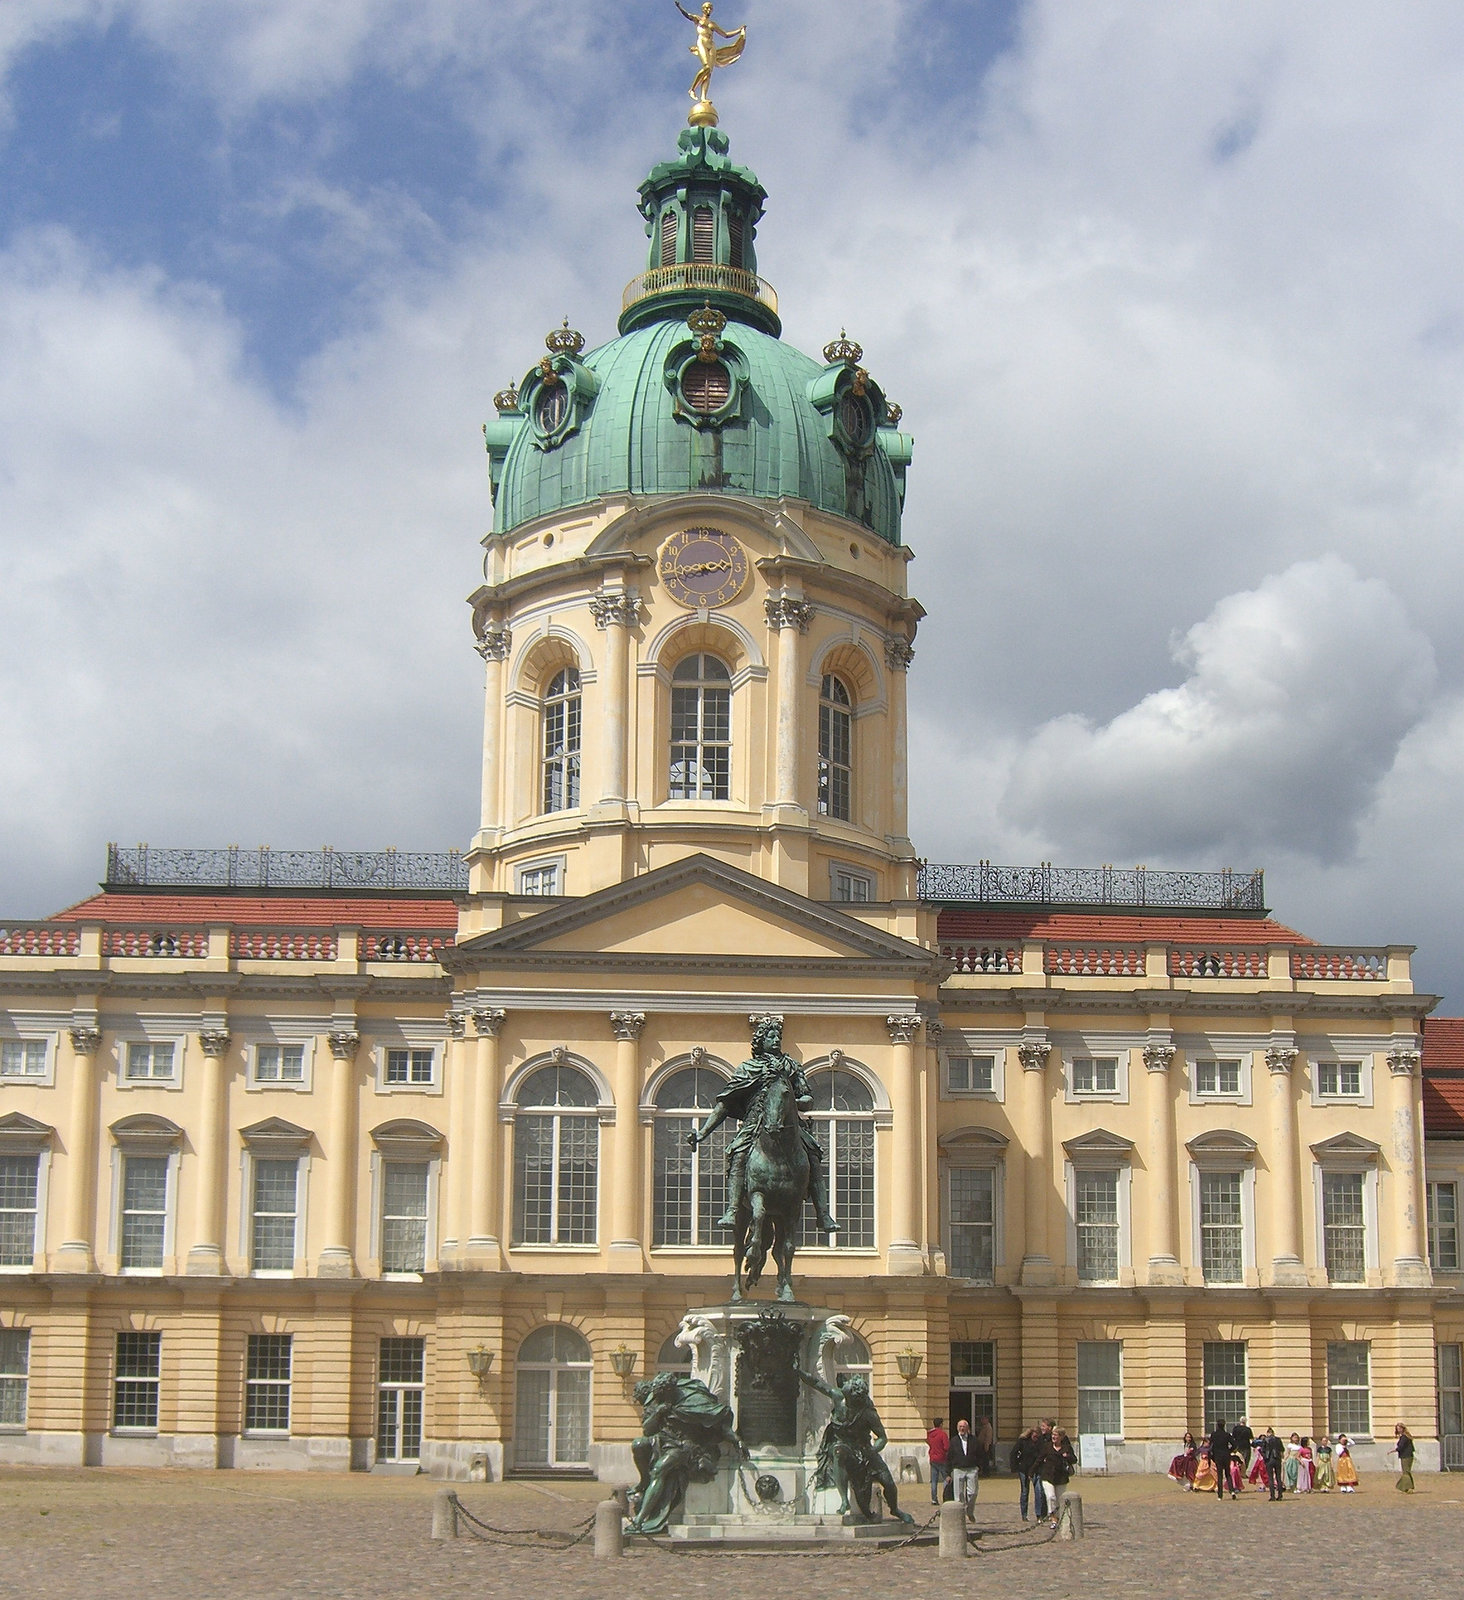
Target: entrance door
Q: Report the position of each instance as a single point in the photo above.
(552, 1418)
(973, 1387)
(399, 1400)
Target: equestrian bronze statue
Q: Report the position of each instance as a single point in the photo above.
(774, 1162)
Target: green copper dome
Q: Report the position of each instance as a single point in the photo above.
(698, 392)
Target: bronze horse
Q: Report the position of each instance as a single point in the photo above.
(777, 1182)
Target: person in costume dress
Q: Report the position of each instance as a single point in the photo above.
(1305, 1466)
(1346, 1467)
(1291, 1468)
(1403, 1448)
(1205, 1471)
(1326, 1476)
(1182, 1467)
(1258, 1467)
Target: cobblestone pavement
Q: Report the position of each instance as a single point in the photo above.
(255, 1536)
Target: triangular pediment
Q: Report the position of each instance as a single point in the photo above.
(1345, 1145)
(697, 907)
(274, 1131)
(18, 1131)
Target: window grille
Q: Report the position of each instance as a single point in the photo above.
(689, 1186)
(144, 1213)
(1095, 1076)
(552, 1417)
(267, 1383)
(560, 789)
(1221, 1226)
(23, 1058)
(1344, 1227)
(1217, 1077)
(279, 1063)
(20, 1181)
(1451, 1390)
(1097, 1225)
(401, 1373)
(842, 1120)
(668, 238)
(835, 749)
(1349, 1391)
(1100, 1387)
(707, 386)
(970, 1074)
(973, 1223)
(135, 1387)
(556, 1159)
(14, 1376)
(1443, 1227)
(404, 1215)
(1225, 1387)
(273, 1213)
(410, 1067)
(149, 1062)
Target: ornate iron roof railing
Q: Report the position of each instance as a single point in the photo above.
(1132, 887)
(232, 868)
(697, 276)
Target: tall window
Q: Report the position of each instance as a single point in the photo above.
(973, 1222)
(1349, 1393)
(668, 238)
(400, 1384)
(404, 1215)
(23, 1058)
(703, 233)
(835, 748)
(561, 721)
(20, 1181)
(1096, 1215)
(1100, 1387)
(552, 1418)
(273, 1212)
(1221, 1227)
(15, 1375)
(1451, 1390)
(144, 1213)
(1224, 1381)
(149, 1062)
(690, 1186)
(973, 1382)
(701, 730)
(842, 1119)
(1344, 1227)
(735, 238)
(267, 1383)
(1443, 1226)
(556, 1158)
(135, 1388)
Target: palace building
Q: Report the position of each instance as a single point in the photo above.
(350, 1161)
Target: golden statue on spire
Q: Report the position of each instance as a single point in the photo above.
(712, 55)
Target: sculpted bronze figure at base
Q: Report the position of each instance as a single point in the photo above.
(850, 1455)
(683, 1428)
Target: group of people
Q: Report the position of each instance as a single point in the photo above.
(1043, 1460)
(1222, 1462)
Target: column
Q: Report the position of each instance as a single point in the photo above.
(788, 617)
(1410, 1240)
(337, 1254)
(493, 646)
(1037, 1262)
(930, 1142)
(457, 1090)
(77, 1252)
(1161, 1158)
(206, 1252)
(487, 1179)
(907, 1200)
(1284, 1205)
(899, 653)
(615, 614)
(626, 1200)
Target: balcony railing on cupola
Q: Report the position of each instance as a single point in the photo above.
(699, 277)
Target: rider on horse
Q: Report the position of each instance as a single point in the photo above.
(737, 1099)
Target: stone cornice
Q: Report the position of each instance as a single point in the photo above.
(550, 961)
(1188, 1002)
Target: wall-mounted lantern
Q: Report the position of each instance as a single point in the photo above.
(480, 1364)
(908, 1361)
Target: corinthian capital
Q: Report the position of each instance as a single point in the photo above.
(1033, 1054)
(1158, 1056)
(903, 1029)
(1280, 1058)
(623, 609)
(86, 1041)
(1403, 1063)
(457, 1024)
(627, 1024)
(494, 644)
(489, 1022)
(899, 653)
(214, 1042)
(783, 611)
(343, 1045)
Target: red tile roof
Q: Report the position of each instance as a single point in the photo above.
(961, 923)
(1443, 1077)
(269, 911)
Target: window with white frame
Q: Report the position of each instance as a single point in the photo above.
(24, 1058)
(149, 1062)
(273, 1211)
(850, 886)
(701, 729)
(279, 1063)
(404, 1186)
(1339, 1080)
(20, 1185)
(144, 1212)
(1219, 1078)
(1344, 1227)
(560, 786)
(689, 1187)
(1095, 1215)
(1443, 1227)
(1095, 1075)
(400, 1388)
(1451, 1389)
(267, 1383)
(842, 1120)
(136, 1382)
(971, 1074)
(14, 1376)
(556, 1158)
(1349, 1386)
(835, 748)
(973, 1379)
(1100, 1387)
(1224, 1376)
(1222, 1227)
(543, 878)
(971, 1206)
(409, 1067)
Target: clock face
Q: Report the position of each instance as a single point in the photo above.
(703, 567)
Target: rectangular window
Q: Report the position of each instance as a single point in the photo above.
(973, 1373)
(1443, 1227)
(279, 1063)
(14, 1375)
(970, 1074)
(973, 1223)
(1344, 1227)
(690, 1186)
(144, 1213)
(1340, 1078)
(1096, 1213)
(135, 1391)
(852, 887)
(404, 1215)
(1224, 1382)
(1095, 1075)
(539, 880)
(848, 1145)
(556, 1177)
(23, 1058)
(273, 1211)
(267, 1383)
(1221, 1256)
(1451, 1391)
(1349, 1395)
(411, 1067)
(399, 1399)
(149, 1063)
(1217, 1077)
(20, 1182)
(1100, 1387)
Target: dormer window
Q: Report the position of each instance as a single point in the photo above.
(856, 419)
(550, 411)
(707, 386)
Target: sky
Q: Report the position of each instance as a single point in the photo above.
(1170, 296)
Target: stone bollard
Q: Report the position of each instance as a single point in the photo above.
(620, 1494)
(953, 1530)
(609, 1534)
(444, 1515)
(1070, 1517)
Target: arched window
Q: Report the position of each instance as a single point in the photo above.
(842, 1119)
(561, 785)
(551, 408)
(556, 1158)
(703, 234)
(701, 729)
(835, 748)
(690, 1186)
(552, 1418)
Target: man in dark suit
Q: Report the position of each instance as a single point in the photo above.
(965, 1465)
(1221, 1450)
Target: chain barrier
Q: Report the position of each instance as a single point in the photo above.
(488, 1533)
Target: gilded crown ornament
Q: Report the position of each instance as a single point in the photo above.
(711, 55)
(843, 349)
(565, 341)
(506, 399)
(893, 413)
(707, 324)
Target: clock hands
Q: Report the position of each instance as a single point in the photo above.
(701, 566)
